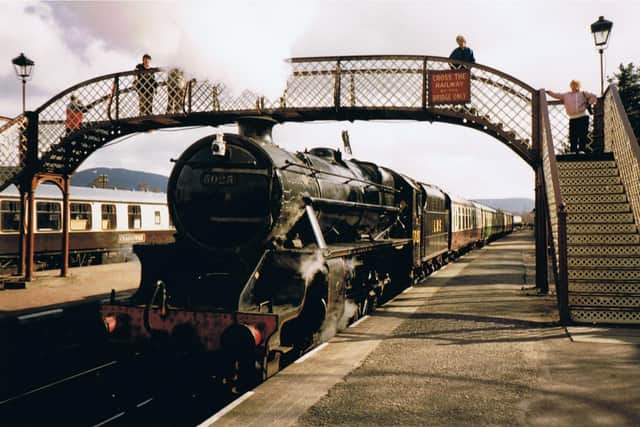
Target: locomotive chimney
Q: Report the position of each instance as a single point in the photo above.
(257, 127)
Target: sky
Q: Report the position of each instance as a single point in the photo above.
(544, 43)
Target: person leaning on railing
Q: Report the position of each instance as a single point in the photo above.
(74, 114)
(461, 53)
(576, 103)
(145, 84)
(175, 91)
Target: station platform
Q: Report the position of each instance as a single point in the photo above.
(472, 344)
(83, 284)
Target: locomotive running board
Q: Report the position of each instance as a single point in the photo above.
(356, 248)
(325, 204)
(350, 248)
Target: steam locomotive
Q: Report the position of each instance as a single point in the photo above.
(274, 251)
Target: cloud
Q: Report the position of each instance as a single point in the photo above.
(243, 43)
(32, 28)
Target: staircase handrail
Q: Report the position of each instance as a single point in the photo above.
(620, 140)
(556, 210)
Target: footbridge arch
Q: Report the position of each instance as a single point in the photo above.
(319, 88)
(51, 142)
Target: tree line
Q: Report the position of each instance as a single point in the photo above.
(628, 81)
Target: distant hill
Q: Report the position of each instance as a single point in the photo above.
(121, 178)
(131, 179)
(515, 205)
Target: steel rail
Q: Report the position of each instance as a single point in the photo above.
(56, 383)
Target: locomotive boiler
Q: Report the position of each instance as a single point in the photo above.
(273, 250)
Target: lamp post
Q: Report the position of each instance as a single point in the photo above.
(23, 67)
(601, 30)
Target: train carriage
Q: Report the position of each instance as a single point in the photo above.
(465, 232)
(435, 226)
(104, 224)
(487, 216)
(509, 222)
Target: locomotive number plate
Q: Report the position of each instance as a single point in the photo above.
(218, 179)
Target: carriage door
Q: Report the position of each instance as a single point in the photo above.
(416, 229)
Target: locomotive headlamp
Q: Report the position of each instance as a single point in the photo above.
(219, 146)
(110, 323)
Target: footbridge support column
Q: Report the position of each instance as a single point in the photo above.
(541, 217)
(541, 222)
(22, 241)
(66, 216)
(31, 230)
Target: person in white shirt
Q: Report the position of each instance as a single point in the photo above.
(575, 104)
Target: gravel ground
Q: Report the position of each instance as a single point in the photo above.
(484, 351)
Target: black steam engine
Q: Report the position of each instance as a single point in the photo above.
(274, 250)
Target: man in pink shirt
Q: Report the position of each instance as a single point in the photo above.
(575, 104)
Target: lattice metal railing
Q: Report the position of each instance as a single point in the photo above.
(365, 87)
(107, 99)
(13, 148)
(620, 139)
(559, 123)
(555, 208)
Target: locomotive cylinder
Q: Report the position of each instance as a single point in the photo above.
(241, 338)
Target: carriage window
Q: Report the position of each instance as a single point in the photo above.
(135, 217)
(80, 216)
(157, 218)
(10, 215)
(109, 220)
(48, 216)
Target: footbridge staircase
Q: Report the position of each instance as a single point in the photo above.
(587, 212)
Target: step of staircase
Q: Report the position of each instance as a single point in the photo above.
(592, 189)
(594, 180)
(603, 250)
(605, 287)
(600, 218)
(609, 208)
(604, 300)
(585, 199)
(587, 172)
(590, 164)
(603, 261)
(617, 316)
(610, 274)
(602, 239)
(582, 228)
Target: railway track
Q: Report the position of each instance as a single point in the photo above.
(146, 389)
(151, 388)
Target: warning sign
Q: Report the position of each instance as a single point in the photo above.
(449, 87)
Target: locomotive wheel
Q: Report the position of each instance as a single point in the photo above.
(364, 307)
(372, 304)
(241, 375)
